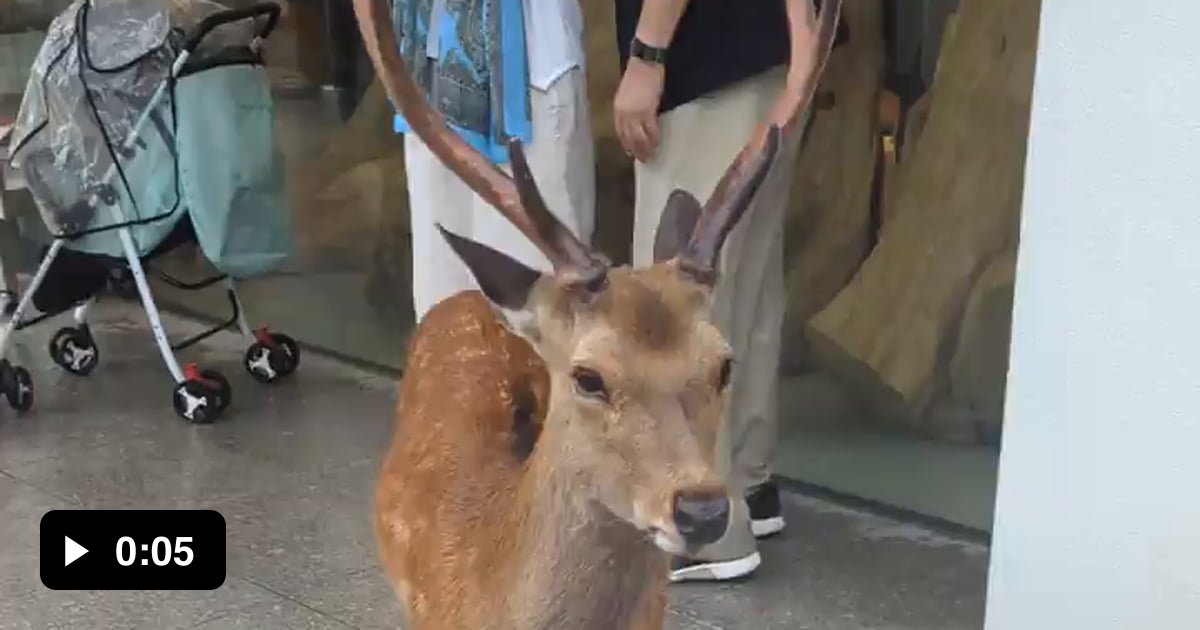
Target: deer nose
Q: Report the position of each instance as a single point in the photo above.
(701, 516)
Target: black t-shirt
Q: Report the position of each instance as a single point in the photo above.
(716, 43)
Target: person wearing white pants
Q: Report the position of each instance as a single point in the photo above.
(560, 153)
(698, 80)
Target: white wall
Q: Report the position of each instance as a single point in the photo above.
(1098, 513)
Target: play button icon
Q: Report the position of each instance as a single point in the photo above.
(72, 551)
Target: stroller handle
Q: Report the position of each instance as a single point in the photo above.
(269, 9)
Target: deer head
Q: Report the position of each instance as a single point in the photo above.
(639, 377)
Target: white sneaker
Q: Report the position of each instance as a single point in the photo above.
(688, 570)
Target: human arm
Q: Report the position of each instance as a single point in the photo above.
(635, 107)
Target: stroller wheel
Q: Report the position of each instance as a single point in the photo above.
(269, 362)
(74, 350)
(223, 390)
(290, 348)
(198, 402)
(18, 386)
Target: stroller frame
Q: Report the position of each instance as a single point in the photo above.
(199, 396)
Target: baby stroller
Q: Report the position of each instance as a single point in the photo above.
(146, 126)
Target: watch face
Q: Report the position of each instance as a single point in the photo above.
(133, 550)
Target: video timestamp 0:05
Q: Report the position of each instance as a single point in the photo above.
(133, 549)
(160, 551)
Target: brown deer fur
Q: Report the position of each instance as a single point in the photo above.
(475, 536)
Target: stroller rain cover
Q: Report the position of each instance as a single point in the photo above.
(207, 152)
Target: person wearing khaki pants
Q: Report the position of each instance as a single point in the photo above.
(697, 82)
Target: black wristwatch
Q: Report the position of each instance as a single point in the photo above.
(646, 52)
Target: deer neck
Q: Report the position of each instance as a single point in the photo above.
(578, 566)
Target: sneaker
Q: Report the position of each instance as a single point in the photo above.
(689, 570)
(766, 512)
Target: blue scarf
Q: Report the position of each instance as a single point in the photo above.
(477, 76)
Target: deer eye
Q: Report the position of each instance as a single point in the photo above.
(589, 383)
(724, 374)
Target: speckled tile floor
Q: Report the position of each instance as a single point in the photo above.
(291, 468)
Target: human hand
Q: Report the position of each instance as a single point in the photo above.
(635, 108)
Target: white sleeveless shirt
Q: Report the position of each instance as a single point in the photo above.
(553, 39)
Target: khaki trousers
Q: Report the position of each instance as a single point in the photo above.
(698, 142)
(562, 158)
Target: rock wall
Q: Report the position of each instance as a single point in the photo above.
(828, 221)
(351, 206)
(917, 334)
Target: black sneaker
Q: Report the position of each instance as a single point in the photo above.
(690, 570)
(766, 512)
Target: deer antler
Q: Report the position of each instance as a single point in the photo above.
(519, 201)
(812, 39)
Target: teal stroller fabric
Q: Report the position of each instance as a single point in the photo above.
(231, 169)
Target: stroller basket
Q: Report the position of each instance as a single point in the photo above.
(145, 126)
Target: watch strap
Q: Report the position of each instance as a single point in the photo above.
(646, 52)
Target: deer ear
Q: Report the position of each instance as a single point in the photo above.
(675, 227)
(504, 281)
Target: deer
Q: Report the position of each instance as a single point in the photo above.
(555, 433)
